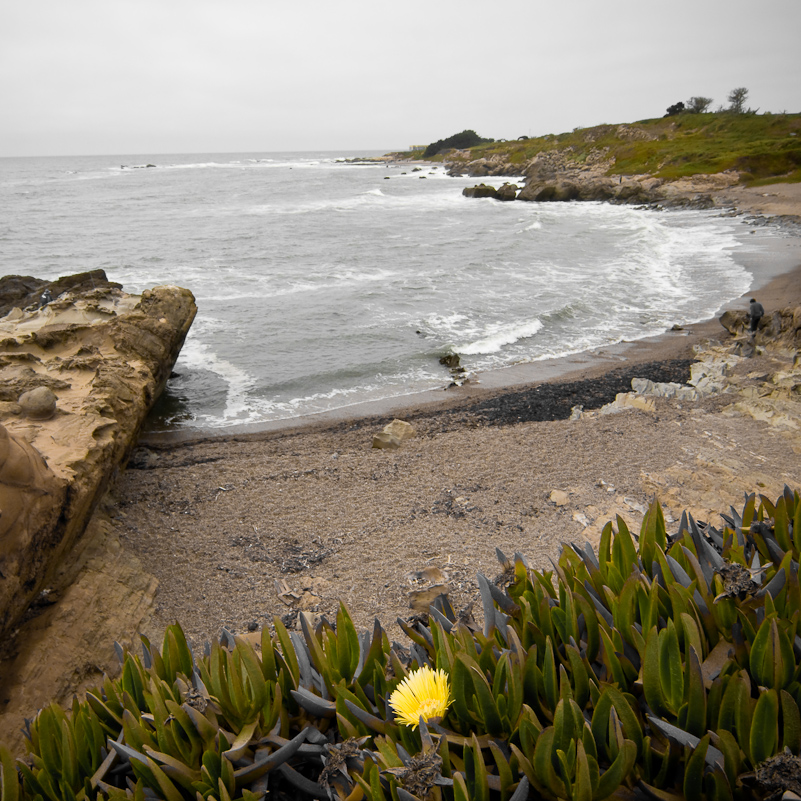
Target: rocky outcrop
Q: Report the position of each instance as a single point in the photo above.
(479, 191)
(762, 372)
(506, 192)
(780, 329)
(79, 376)
(562, 175)
(24, 291)
(31, 501)
(459, 163)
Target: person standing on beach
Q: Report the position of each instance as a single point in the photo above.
(756, 313)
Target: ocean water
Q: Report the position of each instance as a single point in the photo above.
(322, 283)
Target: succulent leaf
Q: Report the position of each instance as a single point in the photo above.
(764, 735)
(772, 662)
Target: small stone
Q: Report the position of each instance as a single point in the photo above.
(38, 404)
(400, 429)
(253, 625)
(386, 442)
(559, 498)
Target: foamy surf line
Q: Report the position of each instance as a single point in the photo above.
(773, 261)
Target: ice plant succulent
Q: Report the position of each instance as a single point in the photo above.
(423, 693)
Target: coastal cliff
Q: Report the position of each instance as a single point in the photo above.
(79, 375)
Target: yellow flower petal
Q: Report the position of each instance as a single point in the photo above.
(424, 692)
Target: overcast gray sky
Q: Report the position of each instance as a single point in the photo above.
(168, 76)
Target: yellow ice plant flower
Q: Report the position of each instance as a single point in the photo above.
(424, 692)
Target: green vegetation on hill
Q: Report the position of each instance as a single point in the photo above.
(457, 141)
(762, 147)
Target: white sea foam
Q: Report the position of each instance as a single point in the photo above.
(198, 355)
(502, 335)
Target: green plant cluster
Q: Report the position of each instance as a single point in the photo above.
(663, 666)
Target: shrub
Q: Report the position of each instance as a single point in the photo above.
(458, 141)
(664, 664)
(698, 105)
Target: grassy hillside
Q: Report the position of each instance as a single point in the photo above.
(763, 148)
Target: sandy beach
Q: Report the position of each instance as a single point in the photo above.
(245, 525)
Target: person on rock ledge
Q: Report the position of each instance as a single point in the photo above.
(756, 312)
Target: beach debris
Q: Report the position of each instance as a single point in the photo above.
(581, 519)
(302, 599)
(285, 593)
(426, 585)
(634, 505)
(38, 403)
(393, 435)
(420, 600)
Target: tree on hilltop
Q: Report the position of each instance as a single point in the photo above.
(698, 105)
(736, 100)
(458, 141)
(676, 108)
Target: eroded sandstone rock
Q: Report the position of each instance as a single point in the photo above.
(31, 500)
(106, 355)
(393, 435)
